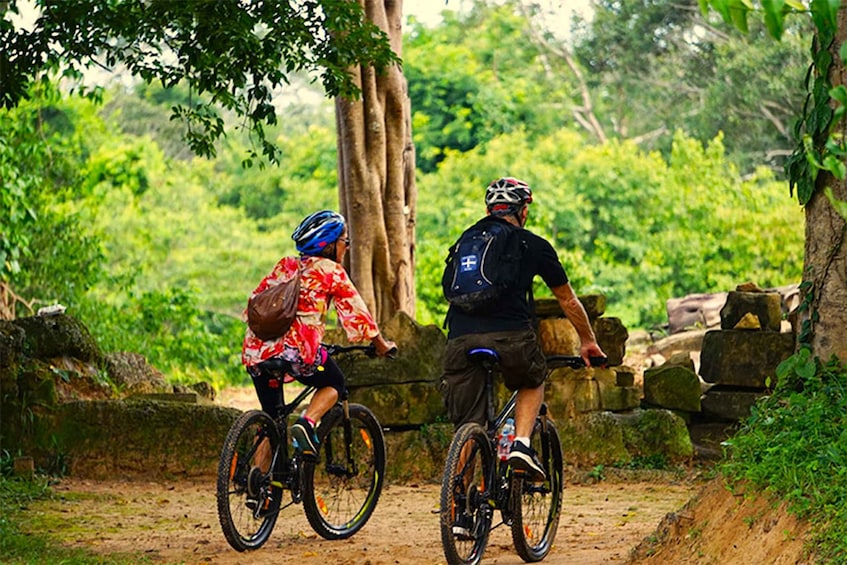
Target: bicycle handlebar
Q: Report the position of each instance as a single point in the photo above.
(575, 361)
(369, 350)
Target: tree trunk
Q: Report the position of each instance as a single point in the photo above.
(826, 253)
(376, 175)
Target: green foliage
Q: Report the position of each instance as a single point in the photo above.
(819, 146)
(466, 88)
(654, 67)
(794, 445)
(234, 67)
(186, 343)
(47, 250)
(182, 242)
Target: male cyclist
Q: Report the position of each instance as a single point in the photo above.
(508, 328)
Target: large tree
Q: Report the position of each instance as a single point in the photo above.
(376, 175)
(235, 57)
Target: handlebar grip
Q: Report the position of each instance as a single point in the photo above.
(599, 361)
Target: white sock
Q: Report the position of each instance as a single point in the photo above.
(523, 440)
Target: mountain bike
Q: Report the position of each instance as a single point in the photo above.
(476, 482)
(339, 488)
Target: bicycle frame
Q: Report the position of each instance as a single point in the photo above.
(500, 476)
(285, 465)
(348, 471)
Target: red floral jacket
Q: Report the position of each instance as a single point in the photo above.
(323, 281)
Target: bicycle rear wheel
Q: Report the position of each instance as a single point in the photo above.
(465, 494)
(341, 489)
(537, 506)
(247, 503)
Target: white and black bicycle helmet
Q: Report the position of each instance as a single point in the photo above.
(317, 231)
(507, 194)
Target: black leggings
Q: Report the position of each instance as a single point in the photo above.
(268, 377)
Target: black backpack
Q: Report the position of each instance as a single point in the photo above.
(483, 265)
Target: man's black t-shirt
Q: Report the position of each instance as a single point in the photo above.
(513, 310)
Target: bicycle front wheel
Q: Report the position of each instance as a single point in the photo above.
(465, 495)
(341, 489)
(248, 504)
(537, 506)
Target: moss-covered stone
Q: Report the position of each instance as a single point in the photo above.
(648, 433)
(572, 391)
(611, 337)
(766, 307)
(419, 358)
(132, 374)
(593, 439)
(54, 336)
(402, 405)
(606, 438)
(672, 386)
(115, 438)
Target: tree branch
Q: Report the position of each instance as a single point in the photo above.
(584, 114)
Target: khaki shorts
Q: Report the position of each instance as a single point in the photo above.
(522, 364)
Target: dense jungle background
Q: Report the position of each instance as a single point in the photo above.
(654, 145)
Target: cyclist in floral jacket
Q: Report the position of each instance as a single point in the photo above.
(322, 241)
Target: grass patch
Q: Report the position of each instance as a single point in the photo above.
(794, 445)
(19, 545)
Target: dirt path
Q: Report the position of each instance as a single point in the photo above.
(177, 523)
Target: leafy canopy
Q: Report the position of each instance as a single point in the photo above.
(233, 55)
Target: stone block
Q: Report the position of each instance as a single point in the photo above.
(687, 341)
(594, 304)
(681, 359)
(558, 337)
(611, 337)
(624, 375)
(572, 391)
(155, 439)
(420, 354)
(417, 455)
(604, 438)
(620, 398)
(695, 311)
(133, 374)
(47, 337)
(594, 438)
(672, 387)
(743, 358)
(766, 306)
(730, 404)
(653, 432)
(402, 404)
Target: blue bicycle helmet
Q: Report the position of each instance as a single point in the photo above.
(317, 231)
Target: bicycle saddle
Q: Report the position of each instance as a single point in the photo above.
(481, 354)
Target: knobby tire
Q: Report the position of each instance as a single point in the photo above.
(536, 507)
(340, 493)
(464, 487)
(243, 527)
